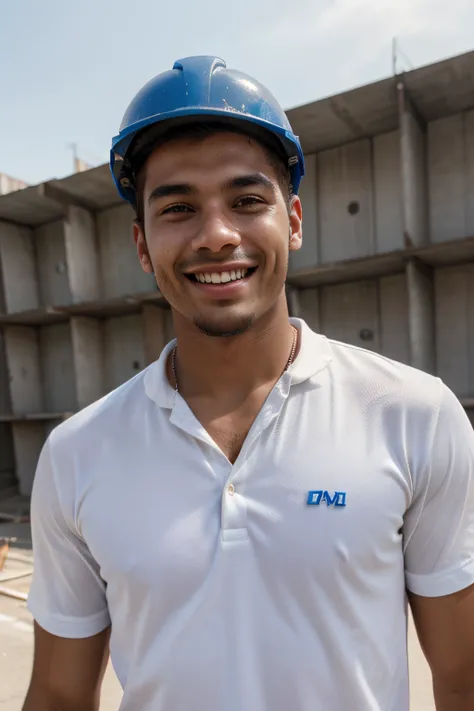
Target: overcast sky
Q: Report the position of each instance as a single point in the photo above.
(68, 69)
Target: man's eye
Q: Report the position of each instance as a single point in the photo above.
(176, 208)
(248, 201)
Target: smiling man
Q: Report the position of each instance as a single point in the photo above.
(242, 520)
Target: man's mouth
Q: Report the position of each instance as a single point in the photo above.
(221, 277)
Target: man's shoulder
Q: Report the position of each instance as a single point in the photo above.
(377, 378)
(104, 417)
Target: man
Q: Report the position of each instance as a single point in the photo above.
(243, 518)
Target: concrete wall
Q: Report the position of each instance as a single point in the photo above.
(120, 269)
(347, 310)
(82, 255)
(18, 269)
(387, 190)
(88, 348)
(454, 304)
(451, 177)
(51, 257)
(124, 349)
(58, 368)
(345, 177)
(23, 360)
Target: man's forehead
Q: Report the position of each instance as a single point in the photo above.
(218, 157)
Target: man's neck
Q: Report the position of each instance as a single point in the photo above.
(209, 367)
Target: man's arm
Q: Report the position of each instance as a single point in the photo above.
(67, 673)
(445, 627)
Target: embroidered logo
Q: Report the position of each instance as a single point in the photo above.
(315, 498)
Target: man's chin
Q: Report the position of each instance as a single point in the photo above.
(224, 329)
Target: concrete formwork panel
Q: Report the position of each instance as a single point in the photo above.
(124, 349)
(153, 318)
(394, 341)
(28, 441)
(88, 348)
(309, 307)
(345, 187)
(387, 193)
(349, 313)
(120, 268)
(454, 308)
(308, 255)
(82, 255)
(52, 263)
(23, 362)
(18, 269)
(58, 368)
(7, 459)
(450, 174)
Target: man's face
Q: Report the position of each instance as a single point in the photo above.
(218, 230)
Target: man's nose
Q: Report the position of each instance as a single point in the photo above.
(216, 232)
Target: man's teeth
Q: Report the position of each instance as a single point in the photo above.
(221, 277)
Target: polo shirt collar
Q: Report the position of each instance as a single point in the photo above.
(313, 357)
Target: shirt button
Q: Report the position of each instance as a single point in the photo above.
(231, 490)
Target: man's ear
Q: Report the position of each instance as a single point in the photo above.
(296, 224)
(142, 249)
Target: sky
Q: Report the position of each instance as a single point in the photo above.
(69, 69)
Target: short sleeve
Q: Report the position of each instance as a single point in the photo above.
(67, 595)
(439, 525)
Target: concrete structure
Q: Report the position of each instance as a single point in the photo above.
(387, 262)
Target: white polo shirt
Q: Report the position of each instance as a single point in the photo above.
(274, 583)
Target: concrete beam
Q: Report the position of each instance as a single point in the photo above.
(421, 316)
(413, 172)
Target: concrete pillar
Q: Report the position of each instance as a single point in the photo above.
(421, 317)
(88, 354)
(82, 255)
(413, 172)
(18, 279)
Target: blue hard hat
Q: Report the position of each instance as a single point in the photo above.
(202, 87)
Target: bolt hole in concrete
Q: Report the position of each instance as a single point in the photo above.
(136, 365)
(366, 334)
(353, 208)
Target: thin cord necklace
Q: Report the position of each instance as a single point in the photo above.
(288, 363)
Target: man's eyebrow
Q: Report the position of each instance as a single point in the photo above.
(167, 190)
(247, 181)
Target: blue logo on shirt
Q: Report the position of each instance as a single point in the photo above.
(316, 497)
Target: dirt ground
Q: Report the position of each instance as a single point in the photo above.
(16, 639)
